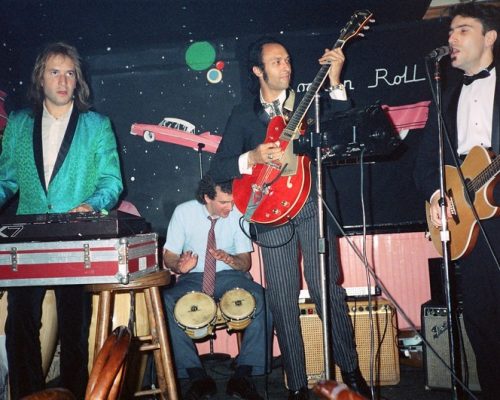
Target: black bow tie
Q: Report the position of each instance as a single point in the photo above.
(468, 79)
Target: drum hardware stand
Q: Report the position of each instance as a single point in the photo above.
(212, 356)
(455, 364)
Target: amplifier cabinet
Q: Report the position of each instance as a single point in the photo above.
(79, 261)
(386, 354)
(435, 331)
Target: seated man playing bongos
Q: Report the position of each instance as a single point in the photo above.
(207, 248)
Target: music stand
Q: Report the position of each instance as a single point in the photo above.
(345, 137)
(363, 131)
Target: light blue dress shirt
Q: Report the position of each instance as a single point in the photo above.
(188, 231)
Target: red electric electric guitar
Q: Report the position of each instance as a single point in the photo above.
(275, 192)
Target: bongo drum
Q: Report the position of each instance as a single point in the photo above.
(195, 313)
(238, 308)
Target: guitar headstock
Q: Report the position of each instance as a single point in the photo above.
(359, 21)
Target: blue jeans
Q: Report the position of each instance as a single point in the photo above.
(256, 344)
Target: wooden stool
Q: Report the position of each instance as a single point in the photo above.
(157, 341)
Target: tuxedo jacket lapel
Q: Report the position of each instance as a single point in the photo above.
(38, 148)
(450, 117)
(495, 130)
(63, 150)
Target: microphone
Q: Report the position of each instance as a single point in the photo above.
(439, 53)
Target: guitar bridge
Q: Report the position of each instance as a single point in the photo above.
(453, 208)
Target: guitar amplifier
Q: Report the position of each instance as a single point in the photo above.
(386, 345)
(435, 331)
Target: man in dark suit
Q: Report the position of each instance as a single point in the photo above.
(471, 114)
(243, 147)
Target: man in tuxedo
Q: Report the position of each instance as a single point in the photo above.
(471, 115)
(243, 147)
(58, 157)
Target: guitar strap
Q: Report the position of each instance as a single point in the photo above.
(289, 104)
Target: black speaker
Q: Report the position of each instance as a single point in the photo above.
(435, 331)
(436, 280)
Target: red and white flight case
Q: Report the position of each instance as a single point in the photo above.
(117, 260)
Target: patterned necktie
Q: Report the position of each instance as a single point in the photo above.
(209, 272)
(273, 109)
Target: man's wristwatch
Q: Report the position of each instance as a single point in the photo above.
(336, 87)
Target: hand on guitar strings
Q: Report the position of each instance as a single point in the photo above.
(435, 210)
(265, 153)
(336, 58)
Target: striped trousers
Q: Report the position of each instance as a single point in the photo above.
(283, 279)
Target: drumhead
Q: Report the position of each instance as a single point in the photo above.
(237, 304)
(195, 310)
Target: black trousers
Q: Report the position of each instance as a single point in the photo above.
(22, 330)
(481, 302)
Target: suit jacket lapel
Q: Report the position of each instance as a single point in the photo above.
(260, 112)
(66, 143)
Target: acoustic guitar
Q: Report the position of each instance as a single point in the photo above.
(481, 174)
(275, 192)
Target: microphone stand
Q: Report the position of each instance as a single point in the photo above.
(322, 243)
(200, 158)
(455, 364)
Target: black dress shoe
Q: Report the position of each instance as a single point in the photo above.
(356, 382)
(301, 394)
(242, 388)
(201, 388)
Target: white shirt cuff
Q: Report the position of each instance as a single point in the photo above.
(243, 164)
(339, 93)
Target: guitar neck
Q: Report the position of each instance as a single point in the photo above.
(485, 176)
(308, 98)
(357, 22)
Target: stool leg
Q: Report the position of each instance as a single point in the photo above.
(160, 371)
(103, 321)
(162, 335)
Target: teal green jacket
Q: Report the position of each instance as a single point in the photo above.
(87, 168)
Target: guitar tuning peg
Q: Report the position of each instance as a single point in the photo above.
(361, 34)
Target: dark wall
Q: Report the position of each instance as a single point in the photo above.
(145, 82)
